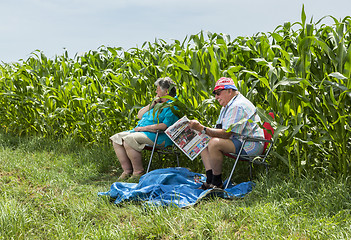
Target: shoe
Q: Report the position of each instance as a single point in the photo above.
(212, 186)
(204, 186)
(135, 178)
(124, 176)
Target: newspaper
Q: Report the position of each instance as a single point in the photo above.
(190, 141)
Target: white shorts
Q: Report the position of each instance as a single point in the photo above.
(136, 140)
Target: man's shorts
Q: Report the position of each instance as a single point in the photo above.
(250, 148)
(237, 144)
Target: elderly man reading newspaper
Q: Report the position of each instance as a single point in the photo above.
(236, 111)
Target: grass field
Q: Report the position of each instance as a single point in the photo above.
(49, 191)
(300, 71)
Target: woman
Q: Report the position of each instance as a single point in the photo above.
(129, 144)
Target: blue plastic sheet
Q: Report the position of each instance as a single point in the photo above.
(171, 186)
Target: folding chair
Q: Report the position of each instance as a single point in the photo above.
(161, 150)
(255, 159)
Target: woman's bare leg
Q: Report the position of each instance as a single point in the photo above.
(135, 158)
(123, 158)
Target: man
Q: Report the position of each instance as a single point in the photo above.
(234, 116)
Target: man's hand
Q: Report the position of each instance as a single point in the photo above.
(194, 124)
(212, 132)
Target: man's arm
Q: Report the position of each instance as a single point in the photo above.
(220, 133)
(212, 132)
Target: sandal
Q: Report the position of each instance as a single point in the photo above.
(212, 186)
(124, 176)
(135, 177)
(205, 186)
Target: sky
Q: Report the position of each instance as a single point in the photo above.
(77, 26)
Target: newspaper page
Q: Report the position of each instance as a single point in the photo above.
(190, 141)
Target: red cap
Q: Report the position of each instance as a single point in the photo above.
(225, 83)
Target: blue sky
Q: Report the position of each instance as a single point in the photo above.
(82, 25)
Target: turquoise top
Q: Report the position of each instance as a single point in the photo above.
(166, 116)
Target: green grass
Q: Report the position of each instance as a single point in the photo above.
(49, 191)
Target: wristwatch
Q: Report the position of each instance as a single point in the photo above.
(204, 130)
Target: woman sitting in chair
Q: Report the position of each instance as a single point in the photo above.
(129, 144)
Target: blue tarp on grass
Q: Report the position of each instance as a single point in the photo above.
(171, 186)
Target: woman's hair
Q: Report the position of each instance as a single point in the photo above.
(167, 83)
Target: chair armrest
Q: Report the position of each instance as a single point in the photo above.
(256, 139)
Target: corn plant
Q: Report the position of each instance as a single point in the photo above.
(300, 71)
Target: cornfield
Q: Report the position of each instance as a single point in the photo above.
(301, 72)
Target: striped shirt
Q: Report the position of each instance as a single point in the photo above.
(235, 116)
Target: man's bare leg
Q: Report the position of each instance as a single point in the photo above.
(216, 147)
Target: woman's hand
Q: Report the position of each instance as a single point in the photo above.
(157, 100)
(143, 110)
(140, 129)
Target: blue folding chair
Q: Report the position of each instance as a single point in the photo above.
(170, 150)
(254, 159)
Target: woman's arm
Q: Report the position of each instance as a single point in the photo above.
(143, 110)
(151, 128)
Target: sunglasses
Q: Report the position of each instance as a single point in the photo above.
(218, 92)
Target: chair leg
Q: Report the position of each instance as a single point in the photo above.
(152, 153)
(250, 171)
(231, 173)
(148, 166)
(177, 159)
(236, 161)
